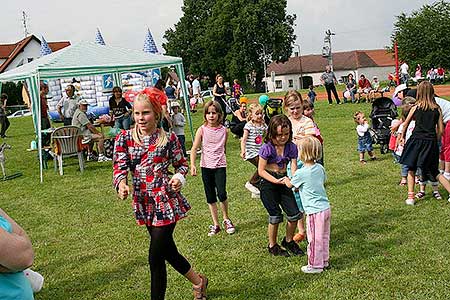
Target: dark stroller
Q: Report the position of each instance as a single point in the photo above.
(383, 112)
(231, 105)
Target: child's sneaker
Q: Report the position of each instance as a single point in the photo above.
(101, 158)
(311, 270)
(91, 157)
(420, 195)
(255, 196)
(292, 246)
(437, 196)
(253, 189)
(410, 201)
(36, 280)
(213, 230)
(276, 250)
(229, 227)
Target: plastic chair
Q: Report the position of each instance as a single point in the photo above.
(66, 142)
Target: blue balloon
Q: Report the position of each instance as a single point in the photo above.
(263, 99)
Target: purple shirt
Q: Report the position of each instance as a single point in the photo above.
(269, 153)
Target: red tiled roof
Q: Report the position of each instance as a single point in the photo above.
(349, 60)
(10, 51)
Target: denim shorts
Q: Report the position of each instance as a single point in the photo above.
(277, 198)
(365, 143)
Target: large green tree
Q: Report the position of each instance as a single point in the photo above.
(424, 36)
(231, 37)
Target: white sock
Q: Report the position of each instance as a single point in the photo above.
(447, 175)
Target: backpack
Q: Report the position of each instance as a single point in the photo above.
(272, 108)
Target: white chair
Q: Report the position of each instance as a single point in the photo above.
(66, 142)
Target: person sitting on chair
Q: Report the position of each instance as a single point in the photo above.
(375, 88)
(364, 86)
(239, 118)
(89, 132)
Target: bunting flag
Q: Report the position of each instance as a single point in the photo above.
(99, 38)
(45, 49)
(149, 43)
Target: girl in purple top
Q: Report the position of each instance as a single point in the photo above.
(212, 137)
(277, 151)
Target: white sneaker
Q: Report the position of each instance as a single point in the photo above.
(104, 158)
(255, 196)
(253, 189)
(410, 201)
(36, 279)
(311, 270)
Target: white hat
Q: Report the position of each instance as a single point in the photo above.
(375, 76)
(400, 88)
(175, 104)
(83, 101)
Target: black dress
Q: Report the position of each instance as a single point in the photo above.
(422, 150)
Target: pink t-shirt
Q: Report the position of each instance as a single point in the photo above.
(213, 147)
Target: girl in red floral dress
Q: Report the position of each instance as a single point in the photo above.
(146, 151)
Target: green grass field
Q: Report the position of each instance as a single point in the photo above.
(88, 247)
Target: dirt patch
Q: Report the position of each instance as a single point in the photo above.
(441, 90)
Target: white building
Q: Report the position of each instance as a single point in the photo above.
(24, 51)
(286, 76)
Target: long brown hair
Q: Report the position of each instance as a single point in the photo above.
(218, 111)
(274, 123)
(425, 96)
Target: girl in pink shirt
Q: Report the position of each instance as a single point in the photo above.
(212, 137)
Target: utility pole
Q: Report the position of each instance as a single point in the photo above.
(265, 63)
(24, 23)
(300, 65)
(326, 50)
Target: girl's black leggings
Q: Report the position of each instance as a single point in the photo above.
(162, 248)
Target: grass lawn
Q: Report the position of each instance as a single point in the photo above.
(88, 247)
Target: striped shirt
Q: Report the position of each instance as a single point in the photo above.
(302, 128)
(213, 147)
(254, 139)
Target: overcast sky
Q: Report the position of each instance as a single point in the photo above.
(365, 24)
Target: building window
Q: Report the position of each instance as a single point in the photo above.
(278, 84)
(291, 83)
(30, 59)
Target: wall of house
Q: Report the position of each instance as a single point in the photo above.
(291, 81)
(32, 50)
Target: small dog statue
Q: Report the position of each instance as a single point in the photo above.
(3, 147)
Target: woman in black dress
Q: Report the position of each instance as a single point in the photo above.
(220, 93)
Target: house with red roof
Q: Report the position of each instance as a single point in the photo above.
(24, 51)
(286, 76)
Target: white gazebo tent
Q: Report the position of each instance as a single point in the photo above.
(87, 58)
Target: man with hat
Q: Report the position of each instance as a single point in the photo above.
(89, 132)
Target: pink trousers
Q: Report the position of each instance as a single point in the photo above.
(318, 231)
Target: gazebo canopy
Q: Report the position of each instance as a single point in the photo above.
(88, 58)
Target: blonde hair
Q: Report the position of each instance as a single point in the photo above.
(357, 116)
(425, 96)
(161, 141)
(291, 97)
(310, 149)
(252, 109)
(407, 103)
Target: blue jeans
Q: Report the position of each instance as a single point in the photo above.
(123, 122)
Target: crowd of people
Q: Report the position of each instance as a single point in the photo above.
(287, 155)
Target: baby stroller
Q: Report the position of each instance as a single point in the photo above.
(383, 112)
(231, 105)
(272, 108)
